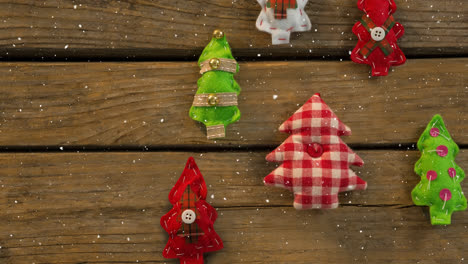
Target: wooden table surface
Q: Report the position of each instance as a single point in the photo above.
(94, 131)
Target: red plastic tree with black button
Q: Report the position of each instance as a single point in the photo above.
(378, 34)
(190, 221)
(315, 159)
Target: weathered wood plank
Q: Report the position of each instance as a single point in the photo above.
(105, 207)
(146, 104)
(154, 29)
(250, 235)
(235, 179)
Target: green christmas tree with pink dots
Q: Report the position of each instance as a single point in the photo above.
(439, 187)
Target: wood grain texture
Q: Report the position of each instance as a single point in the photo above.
(132, 29)
(146, 104)
(105, 208)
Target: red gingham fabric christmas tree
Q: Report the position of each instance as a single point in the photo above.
(190, 221)
(315, 159)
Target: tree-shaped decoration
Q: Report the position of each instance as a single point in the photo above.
(378, 32)
(315, 159)
(190, 221)
(281, 17)
(215, 102)
(439, 187)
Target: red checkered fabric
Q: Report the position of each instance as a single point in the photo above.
(371, 45)
(315, 178)
(281, 7)
(188, 242)
(191, 232)
(316, 118)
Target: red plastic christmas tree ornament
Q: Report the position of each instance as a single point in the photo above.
(315, 159)
(378, 33)
(190, 221)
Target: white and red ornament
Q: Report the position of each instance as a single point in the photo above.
(281, 17)
(315, 159)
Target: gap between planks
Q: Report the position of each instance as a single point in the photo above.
(183, 148)
(187, 148)
(114, 56)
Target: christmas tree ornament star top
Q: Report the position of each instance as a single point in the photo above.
(440, 187)
(315, 159)
(218, 34)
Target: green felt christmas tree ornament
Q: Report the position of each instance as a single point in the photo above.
(439, 187)
(215, 102)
